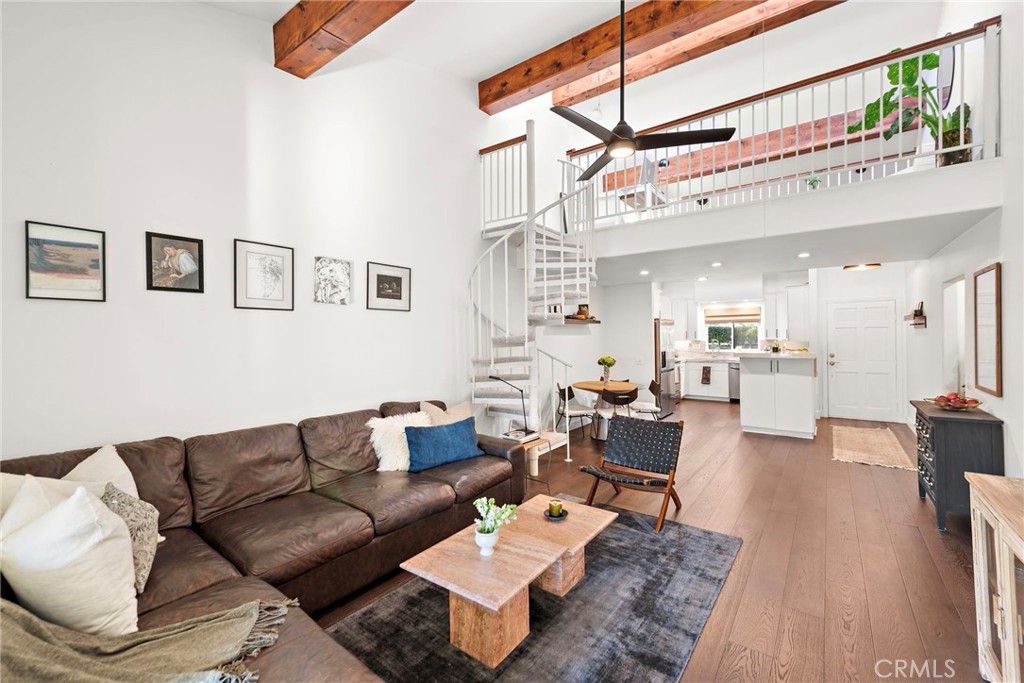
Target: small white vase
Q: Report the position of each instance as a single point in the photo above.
(486, 542)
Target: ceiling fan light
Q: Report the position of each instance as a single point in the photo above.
(620, 149)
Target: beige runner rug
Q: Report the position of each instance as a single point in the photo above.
(869, 447)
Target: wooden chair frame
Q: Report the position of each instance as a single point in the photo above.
(670, 491)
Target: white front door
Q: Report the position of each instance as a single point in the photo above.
(861, 360)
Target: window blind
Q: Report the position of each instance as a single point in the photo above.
(735, 314)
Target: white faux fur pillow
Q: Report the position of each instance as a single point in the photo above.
(388, 438)
(446, 417)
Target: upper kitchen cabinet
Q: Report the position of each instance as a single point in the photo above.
(685, 316)
(798, 314)
(775, 316)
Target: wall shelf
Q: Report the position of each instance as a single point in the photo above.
(575, 321)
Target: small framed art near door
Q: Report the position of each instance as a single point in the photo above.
(174, 264)
(65, 263)
(388, 288)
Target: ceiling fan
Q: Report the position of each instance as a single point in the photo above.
(621, 141)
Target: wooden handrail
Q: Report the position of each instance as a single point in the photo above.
(502, 145)
(888, 58)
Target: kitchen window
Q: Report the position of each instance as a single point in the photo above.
(733, 336)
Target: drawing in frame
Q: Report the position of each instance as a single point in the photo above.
(332, 280)
(66, 263)
(174, 264)
(388, 288)
(264, 276)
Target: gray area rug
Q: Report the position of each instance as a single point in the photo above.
(636, 615)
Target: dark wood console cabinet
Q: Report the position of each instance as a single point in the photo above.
(950, 443)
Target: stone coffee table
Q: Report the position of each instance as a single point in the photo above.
(488, 597)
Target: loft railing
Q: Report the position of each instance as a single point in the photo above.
(820, 133)
(506, 172)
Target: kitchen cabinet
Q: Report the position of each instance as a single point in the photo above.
(775, 316)
(777, 394)
(685, 315)
(717, 390)
(665, 308)
(997, 530)
(798, 315)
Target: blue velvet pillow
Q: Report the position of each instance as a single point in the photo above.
(440, 445)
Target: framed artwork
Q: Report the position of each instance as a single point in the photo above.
(264, 276)
(332, 281)
(66, 263)
(388, 288)
(174, 264)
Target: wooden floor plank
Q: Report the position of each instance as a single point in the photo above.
(800, 648)
(842, 549)
(741, 665)
(849, 652)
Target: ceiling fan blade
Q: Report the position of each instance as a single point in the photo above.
(595, 129)
(601, 162)
(686, 137)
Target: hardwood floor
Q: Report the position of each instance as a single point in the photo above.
(841, 564)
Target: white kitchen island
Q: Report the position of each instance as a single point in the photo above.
(777, 393)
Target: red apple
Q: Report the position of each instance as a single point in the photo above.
(973, 402)
(951, 395)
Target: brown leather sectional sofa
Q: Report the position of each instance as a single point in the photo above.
(293, 509)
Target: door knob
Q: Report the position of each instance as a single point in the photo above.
(831, 362)
(831, 355)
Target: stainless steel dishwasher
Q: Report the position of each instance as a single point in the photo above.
(734, 382)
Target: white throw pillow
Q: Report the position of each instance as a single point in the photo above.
(446, 417)
(71, 565)
(93, 473)
(388, 439)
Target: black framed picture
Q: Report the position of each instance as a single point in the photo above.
(62, 262)
(388, 288)
(174, 264)
(264, 276)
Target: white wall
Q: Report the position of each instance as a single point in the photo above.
(628, 332)
(170, 117)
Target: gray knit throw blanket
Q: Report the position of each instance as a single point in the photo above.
(206, 649)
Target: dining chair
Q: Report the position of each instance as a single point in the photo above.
(569, 408)
(636, 450)
(647, 408)
(616, 399)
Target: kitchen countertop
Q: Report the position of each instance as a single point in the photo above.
(785, 354)
(709, 359)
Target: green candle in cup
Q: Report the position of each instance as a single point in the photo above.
(555, 508)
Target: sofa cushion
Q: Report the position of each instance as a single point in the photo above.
(157, 465)
(440, 445)
(184, 564)
(232, 470)
(470, 478)
(338, 446)
(281, 538)
(303, 651)
(392, 499)
(392, 408)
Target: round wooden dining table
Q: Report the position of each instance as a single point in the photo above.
(597, 386)
(598, 423)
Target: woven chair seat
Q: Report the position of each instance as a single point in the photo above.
(620, 478)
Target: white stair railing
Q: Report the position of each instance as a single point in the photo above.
(506, 182)
(804, 137)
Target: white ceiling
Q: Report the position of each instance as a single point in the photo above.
(471, 39)
(905, 240)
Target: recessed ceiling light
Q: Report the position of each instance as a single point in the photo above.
(863, 266)
(716, 264)
(645, 272)
(804, 254)
(702, 278)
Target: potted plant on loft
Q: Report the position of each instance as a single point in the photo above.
(907, 80)
(492, 516)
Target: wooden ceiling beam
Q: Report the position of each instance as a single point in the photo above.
(649, 25)
(702, 41)
(314, 32)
